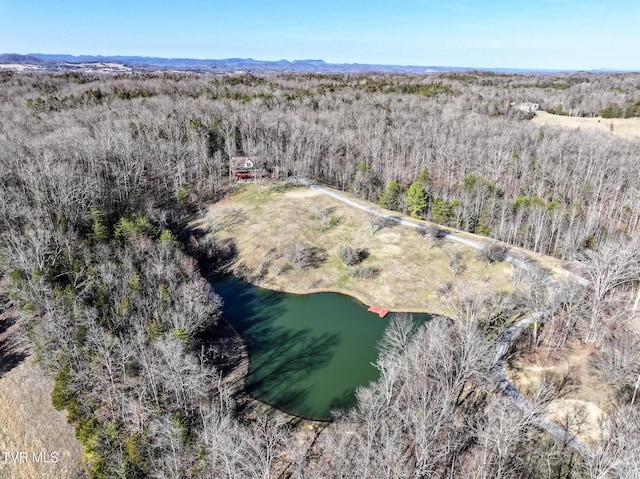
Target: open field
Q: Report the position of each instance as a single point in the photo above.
(622, 127)
(410, 274)
(28, 422)
(584, 404)
(410, 271)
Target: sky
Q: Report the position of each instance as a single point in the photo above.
(532, 34)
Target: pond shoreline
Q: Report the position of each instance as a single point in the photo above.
(291, 289)
(246, 404)
(409, 271)
(302, 353)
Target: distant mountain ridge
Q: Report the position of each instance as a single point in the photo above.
(17, 58)
(234, 64)
(119, 63)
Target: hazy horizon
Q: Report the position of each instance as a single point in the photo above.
(126, 59)
(533, 34)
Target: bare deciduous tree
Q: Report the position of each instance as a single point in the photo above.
(376, 219)
(456, 261)
(303, 256)
(492, 252)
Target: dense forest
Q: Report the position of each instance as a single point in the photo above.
(100, 176)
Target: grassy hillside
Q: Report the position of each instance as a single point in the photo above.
(410, 271)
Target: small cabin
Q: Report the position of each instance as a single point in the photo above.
(526, 107)
(245, 166)
(250, 167)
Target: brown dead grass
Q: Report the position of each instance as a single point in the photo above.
(621, 127)
(410, 274)
(410, 271)
(589, 399)
(30, 424)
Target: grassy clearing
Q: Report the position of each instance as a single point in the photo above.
(410, 272)
(622, 127)
(585, 404)
(30, 424)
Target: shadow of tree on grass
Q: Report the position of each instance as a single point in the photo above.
(12, 348)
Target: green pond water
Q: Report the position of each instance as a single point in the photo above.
(308, 353)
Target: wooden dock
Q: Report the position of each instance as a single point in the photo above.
(379, 311)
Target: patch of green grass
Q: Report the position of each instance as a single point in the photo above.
(250, 194)
(343, 280)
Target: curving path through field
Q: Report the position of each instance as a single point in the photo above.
(503, 342)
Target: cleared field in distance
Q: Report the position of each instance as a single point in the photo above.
(622, 127)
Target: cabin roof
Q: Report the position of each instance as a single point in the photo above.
(244, 162)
